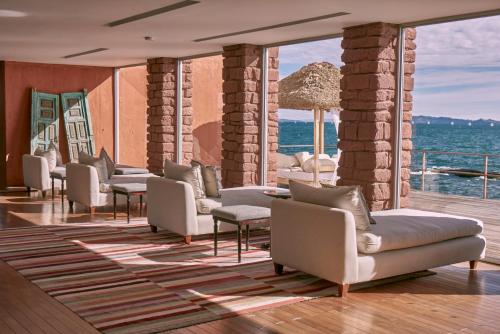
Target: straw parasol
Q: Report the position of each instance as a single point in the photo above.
(314, 87)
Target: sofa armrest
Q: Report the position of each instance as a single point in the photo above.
(171, 206)
(82, 184)
(315, 239)
(249, 195)
(36, 172)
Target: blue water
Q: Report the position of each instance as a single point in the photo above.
(471, 139)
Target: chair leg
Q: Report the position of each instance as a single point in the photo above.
(53, 188)
(154, 229)
(92, 210)
(44, 194)
(278, 268)
(187, 239)
(216, 235)
(343, 289)
(473, 265)
(71, 206)
(28, 191)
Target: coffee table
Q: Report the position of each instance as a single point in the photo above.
(128, 189)
(241, 216)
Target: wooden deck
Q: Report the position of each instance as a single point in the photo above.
(486, 210)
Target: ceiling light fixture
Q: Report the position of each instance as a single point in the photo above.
(274, 26)
(85, 53)
(153, 12)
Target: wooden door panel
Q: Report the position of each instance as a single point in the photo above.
(78, 124)
(44, 120)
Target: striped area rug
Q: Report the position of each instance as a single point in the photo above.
(124, 279)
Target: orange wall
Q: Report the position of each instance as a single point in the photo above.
(133, 116)
(55, 79)
(207, 109)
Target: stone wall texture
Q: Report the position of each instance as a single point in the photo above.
(241, 118)
(366, 129)
(162, 112)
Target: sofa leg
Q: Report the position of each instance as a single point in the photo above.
(92, 210)
(187, 239)
(278, 268)
(343, 289)
(473, 265)
(154, 229)
(28, 191)
(44, 194)
(71, 206)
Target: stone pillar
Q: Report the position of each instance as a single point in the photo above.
(242, 89)
(162, 112)
(366, 121)
(273, 77)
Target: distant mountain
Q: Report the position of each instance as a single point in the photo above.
(448, 120)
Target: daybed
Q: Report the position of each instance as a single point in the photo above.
(299, 167)
(324, 242)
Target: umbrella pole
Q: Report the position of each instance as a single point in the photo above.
(316, 147)
(322, 131)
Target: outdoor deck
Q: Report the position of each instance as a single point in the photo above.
(486, 210)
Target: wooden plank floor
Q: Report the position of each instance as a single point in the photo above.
(487, 211)
(453, 301)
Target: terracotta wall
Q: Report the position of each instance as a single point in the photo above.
(207, 109)
(21, 77)
(3, 180)
(133, 116)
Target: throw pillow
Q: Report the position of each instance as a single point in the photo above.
(363, 200)
(109, 162)
(286, 161)
(98, 163)
(340, 197)
(53, 146)
(211, 178)
(50, 155)
(325, 165)
(302, 157)
(191, 175)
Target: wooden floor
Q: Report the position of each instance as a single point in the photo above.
(487, 211)
(455, 300)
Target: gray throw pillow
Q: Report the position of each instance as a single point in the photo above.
(363, 199)
(99, 164)
(109, 162)
(211, 178)
(53, 146)
(191, 175)
(50, 155)
(341, 197)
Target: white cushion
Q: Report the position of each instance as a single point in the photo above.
(191, 175)
(105, 187)
(302, 157)
(405, 228)
(50, 155)
(341, 197)
(325, 165)
(205, 205)
(286, 161)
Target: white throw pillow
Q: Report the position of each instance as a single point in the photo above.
(302, 157)
(212, 178)
(325, 165)
(110, 165)
(286, 161)
(53, 146)
(50, 155)
(191, 175)
(99, 164)
(340, 197)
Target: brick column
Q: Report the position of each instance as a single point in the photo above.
(162, 112)
(273, 77)
(366, 121)
(241, 114)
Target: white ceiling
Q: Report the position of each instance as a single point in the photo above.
(52, 29)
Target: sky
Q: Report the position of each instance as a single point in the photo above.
(457, 68)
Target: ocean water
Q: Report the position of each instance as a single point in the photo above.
(433, 137)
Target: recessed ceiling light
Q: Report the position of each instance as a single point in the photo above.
(11, 13)
(148, 38)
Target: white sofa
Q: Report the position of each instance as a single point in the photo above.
(83, 187)
(324, 242)
(172, 206)
(36, 174)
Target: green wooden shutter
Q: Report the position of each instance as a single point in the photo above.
(78, 124)
(44, 120)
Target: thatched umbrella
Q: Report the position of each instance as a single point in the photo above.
(314, 87)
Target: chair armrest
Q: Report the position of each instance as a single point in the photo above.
(171, 206)
(82, 183)
(36, 172)
(315, 239)
(250, 195)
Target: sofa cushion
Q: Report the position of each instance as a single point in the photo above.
(361, 196)
(325, 165)
(99, 164)
(286, 161)
(211, 178)
(405, 228)
(105, 187)
(129, 170)
(205, 205)
(191, 175)
(242, 212)
(341, 197)
(50, 155)
(110, 165)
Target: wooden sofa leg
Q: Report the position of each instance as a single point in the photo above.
(187, 239)
(154, 229)
(71, 207)
(44, 194)
(28, 190)
(92, 210)
(278, 268)
(343, 289)
(473, 265)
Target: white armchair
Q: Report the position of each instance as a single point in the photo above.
(172, 206)
(36, 174)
